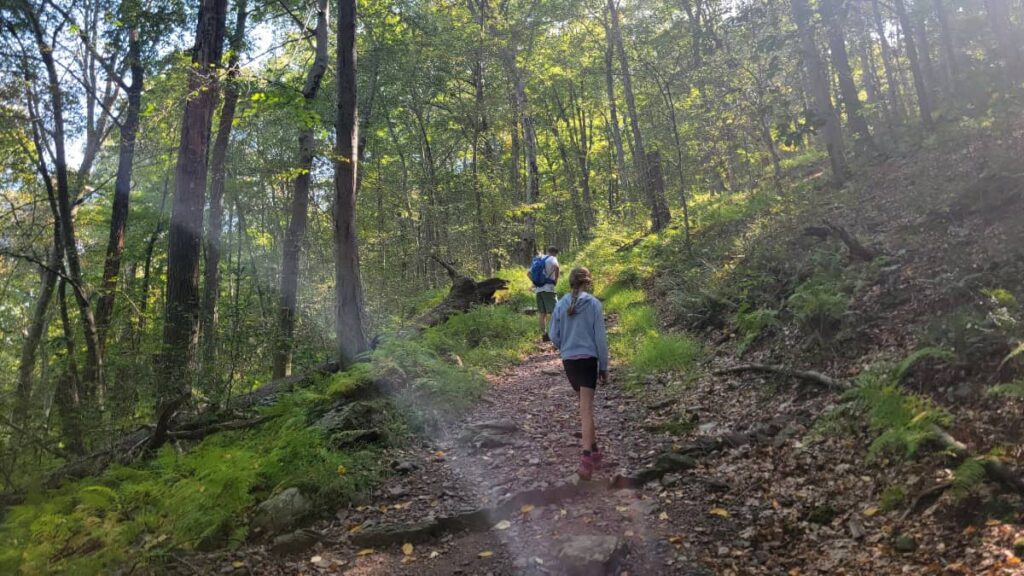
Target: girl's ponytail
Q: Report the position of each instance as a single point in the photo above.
(579, 280)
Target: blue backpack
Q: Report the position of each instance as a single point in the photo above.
(537, 274)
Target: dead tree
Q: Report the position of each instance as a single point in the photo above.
(464, 294)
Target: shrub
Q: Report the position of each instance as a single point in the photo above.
(751, 323)
(819, 306)
(486, 337)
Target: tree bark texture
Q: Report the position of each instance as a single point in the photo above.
(185, 232)
(352, 340)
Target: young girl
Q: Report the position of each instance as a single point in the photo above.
(577, 330)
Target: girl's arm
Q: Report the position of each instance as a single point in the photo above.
(555, 329)
(601, 339)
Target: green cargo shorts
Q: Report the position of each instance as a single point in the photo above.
(545, 302)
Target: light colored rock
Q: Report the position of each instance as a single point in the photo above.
(282, 512)
(592, 555)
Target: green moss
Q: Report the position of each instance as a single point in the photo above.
(892, 498)
(487, 337)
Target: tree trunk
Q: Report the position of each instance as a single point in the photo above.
(122, 192)
(888, 63)
(528, 241)
(822, 98)
(68, 394)
(950, 61)
(660, 214)
(620, 155)
(840, 60)
(94, 361)
(181, 324)
(215, 216)
(924, 106)
(1008, 47)
(352, 339)
(299, 206)
(30, 347)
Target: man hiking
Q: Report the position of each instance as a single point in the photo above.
(544, 275)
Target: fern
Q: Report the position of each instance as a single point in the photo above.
(909, 362)
(903, 422)
(1013, 389)
(1013, 354)
(967, 476)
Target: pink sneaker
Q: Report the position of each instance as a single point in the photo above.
(586, 467)
(596, 457)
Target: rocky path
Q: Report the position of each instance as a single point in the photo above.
(497, 494)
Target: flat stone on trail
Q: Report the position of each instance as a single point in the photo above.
(592, 555)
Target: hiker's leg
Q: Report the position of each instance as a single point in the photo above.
(543, 322)
(587, 417)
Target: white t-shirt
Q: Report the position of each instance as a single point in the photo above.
(550, 265)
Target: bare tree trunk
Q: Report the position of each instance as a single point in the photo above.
(352, 340)
(68, 394)
(299, 206)
(924, 106)
(888, 63)
(215, 217)
(822, 98)
(620, 155)
(998, 12)
(840, 60)
(122, 192)
(950, 61)
(660, 215)
(181, 324)
(30, 347)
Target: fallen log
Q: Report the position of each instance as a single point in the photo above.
(464, 294)
(856, 250)
(200, 433)
(806, 375)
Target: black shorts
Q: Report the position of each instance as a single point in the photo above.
(582, 373)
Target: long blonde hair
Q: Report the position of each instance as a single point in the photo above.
(579, 280)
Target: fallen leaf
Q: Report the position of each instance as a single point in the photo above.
(439, 453)
(408, 559)
(869, 512)
(341, 470)
(622, 509)
(526, 509)
(722, 512)
(486, 554)
(628, 534)
(407, 549)
(503, 525)
(237, 564)
(663, 516)
(434, 554)
(675, 540)
(315, 559)
(365, 552)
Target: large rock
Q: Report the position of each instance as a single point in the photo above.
(592, 555)
(294, 542)
(282, 512)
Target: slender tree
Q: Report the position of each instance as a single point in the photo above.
(823, 110)
(352, 340)
(924, 105)
(300, 200)
(215, 214)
